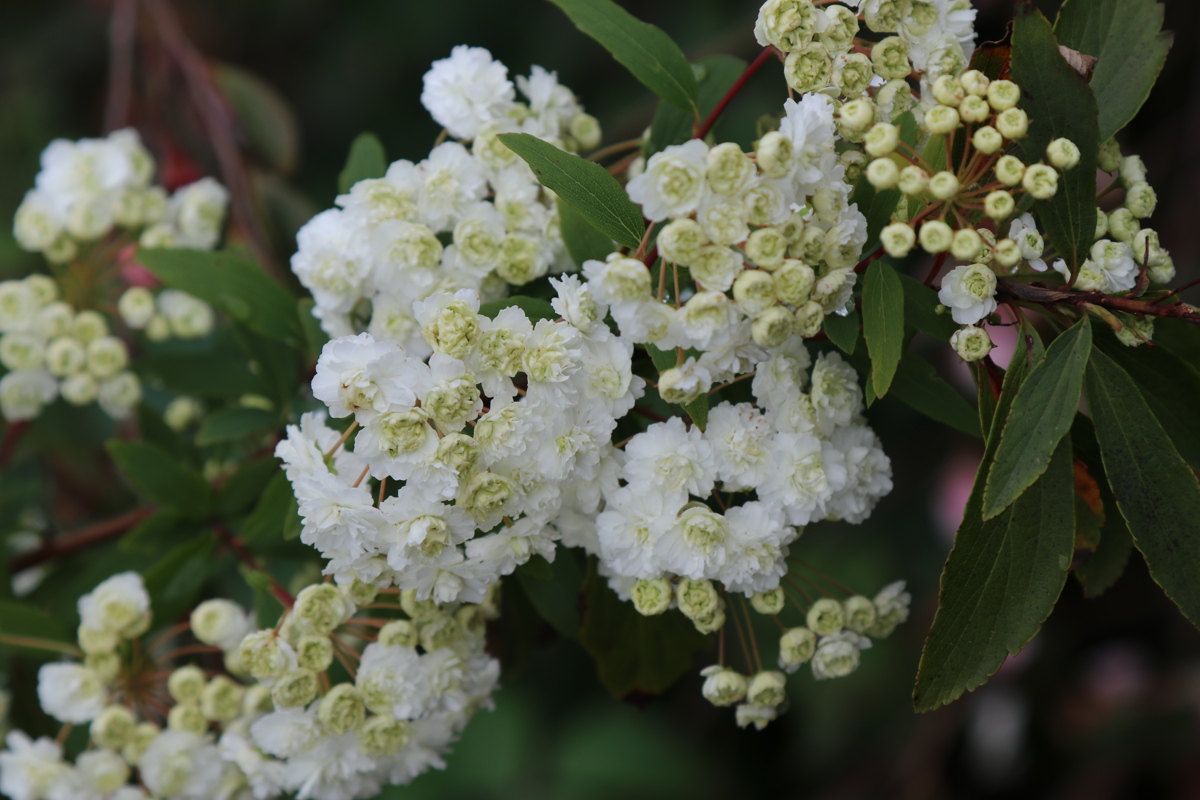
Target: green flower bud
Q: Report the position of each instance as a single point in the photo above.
(314, 652)
(454, 330)
(770, 602)
(383, 735)
(826, 616)
(399, 632)
(796, 646)
(261, 656)
(113, 727)
(772, 327)
(97, 642)
(809, 318)
(884, 16)
(856, 116)
(966, 245)
(808, 69)
(767, 689)
(889, 57)
(696, 599)
(987, 140)
(680, 241)
(419, 610)
(1109, 157)
(723, 686)
(441, 632)
(143, 735)
(897, 239)
(712, 621)
(949, 91)
(775, 158)
(971, 344)
(1007, 253)
(975, 83)
(585, 129)
(341, 710)
(893, 99)
(186, 684)
(88, 326)
(1041, 181)
(942, 119)
(754, 291)
(854, 74)
(1062, 154)
(860, 613)
(651, 596)
(1123, 225)
(935, 236)
(1132, 170)
(676, 385)
(1009, 170)
(485, 495)
(222, 699)
(1140, 199)
(321, 608)
(1133, 332)
(1003, 95)
(187, 717)
(998, 204)
(257, 700)
(1012, 124)
(882, 139)
(883, 173)
(106, 665)
(729, 169)
(840, 31)
(914, 181)
(766, 247)
(794, 282)
(943, 185)
(1101, 223)
(295, 688)
(855, 163)
(974, 109)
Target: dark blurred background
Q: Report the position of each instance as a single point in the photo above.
(1103, 704)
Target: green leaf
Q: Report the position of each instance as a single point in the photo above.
(32, 632)
(161, 478)
(264, 116)
(1041, 415)
(1106, 563)
(918, 385)
(583, 242)
(246, 486)
(534, 307)
(698, 411)
(1169, 385)
(276, 516)
(583, 184)
(174, 583)
(367, 159)
(1127, 39)
(314, 334)
(274, 363)
(633, 652)
(267, 607)
(553, 589)
(233, 284)
(231, 424)
(717, 74)
(920, 302)
(1000, 583)
(878, 207)
(149, 534)
(663, 359)
(883, 323)
(221, 373)
(1155, 489)
(643, 49)
(1059, 104)
(843, 331)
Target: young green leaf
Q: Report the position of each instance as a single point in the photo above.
(1127, 39)
(643, 49)
(1060, 104)
(585, 185)
(367, 159)
(698, 411)
(843, 331)
(883, 323)
(1155, 489)
(161, 478)
(672, 126)
(230, 424)
(583, 242)
(1041, 415)
(232, 284)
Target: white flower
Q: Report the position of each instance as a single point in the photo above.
(837, 654)
(393, 681)
(809, 126)
(969, 290)
(694, 546)
(453, 181)
(740, 436)
(29, 768)
(222, 623)
(197, 212)
(755, 548)
(631, 523)
(70, 692)
(119, 605)
(180, 765)
(1024, 232)
(836, 396)
(805, 474)
(674, 181)
(1110, 269)
(360, 376)
(466, 90)
(670, 456)
(24, 393)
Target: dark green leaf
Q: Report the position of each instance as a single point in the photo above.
(843, 331)
(553, 589)
(1041, 415)
(1127, 39)
(883, 323)
(221, 373)
(877, 207)
(232, 284)
(1155, 489)
(663, 359)
(367, 159)
(648, 53)
(149, 535)
(314, 334)
(32, 632)
(1001, 581)
(534, 307)
(161, 478)
(672, 126)
(985, 396)
(276, 516)
(920, 302)
(585, 185)
(264, 116)
(230, 424)
(633, 652)
(698, 411)
(918, 385)
(274, 363)
(583, 242)
(246, 486)
(1101, 568)
(1059, 104)
(1180, 337)
(174, 583)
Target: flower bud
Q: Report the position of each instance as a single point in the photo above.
(257, 700)
(809, 318)
(143, 735)
(898, 239)
(79, 389)
(729, 169)
(106, 357)
(1041, 181)
(1007, 253)
(262, 655)
(585, 129)
(1109, 157)
(342, 709)
(914, 181)
(775, 156)
(796, 646)
(22, 350)
(856, 116)
(1123, 225)
(651, 596)
(419, 610)
(712, 621)
(935, 236)
(187, 717)
(680, 241)
(794, 282)
(754, 291)
(1003, 95)
(221, 700)
(1133, 332)
(966, 244)
(882, 139)
(883, 173)
(826, 616)
(383, 735)
(974, 83)
(102, 771)
(1140, 199)
(314, 652)
(1132, 170)
(1062, 153)
(943, 185)
(889, 58)
(88, 325)
(773, 327)
(295, 688)
(767, 689)
(837, 655)
(998, 204)
(860, 613)
(987, 140)
(696, 598)
(1012, 124)
(136, 307)
(767, 248)
(186, 684)
(758, 716)
(113, 727)
(158, 329)
(949, 91)
(808, 68)
(854, 74)
(399, 632)
(321, 608)
(723, 686)
(942, 119)
(1009, 170)
(974, 109)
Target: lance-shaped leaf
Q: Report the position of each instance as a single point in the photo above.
(1059, 104)
(1000, 583)
(883, 323)
(366, 160)
(585, 185)
(583, 242)
(716, 74)
(918, 385)
(1127, 39)
(161, 478)
(643, 49)
(920, 303)
(843, 330)
(1155, 489)
(1041, 415)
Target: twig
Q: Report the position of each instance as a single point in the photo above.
(239, 549)
(80, 539)
(12, 437)
(1048, 296)
(706, 126)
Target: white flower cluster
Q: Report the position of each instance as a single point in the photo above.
(933, 37)
(276, 728)
(555, 390)
(49, 350)
(87, 188)
(469, 216)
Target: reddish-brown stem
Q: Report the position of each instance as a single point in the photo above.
(1048, 296)
(12, 437)
(937, 267)
(755, 65)
(239, 550)
(78, 540)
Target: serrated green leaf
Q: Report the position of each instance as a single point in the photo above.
(843, 331)
(367, 159)
(230, 424)
(1041, 415)
(32, 632)
(1155, 489)
(643, 49)
(161, 478)
(232, 284)
(534, 307)
(553, 589)
(883, 323)
(583, 184)
(1059, 104)
(672, 126)
(174, 583)
(634, 652)
(583, 242)
(920, 302)
(276, 516)
(1127, 39)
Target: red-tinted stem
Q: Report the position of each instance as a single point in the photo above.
(755, 65)
(78, 540)
(239, 549)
